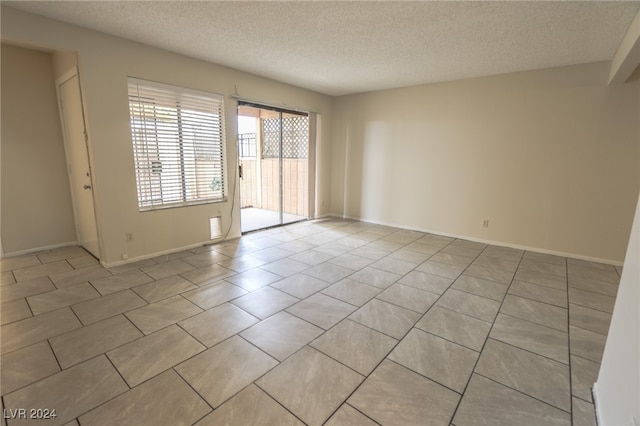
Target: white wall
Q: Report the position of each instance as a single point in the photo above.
(36, 202)
(550, 157)
(105, 62)
(617, 391)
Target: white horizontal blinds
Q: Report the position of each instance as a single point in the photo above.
(178, 144)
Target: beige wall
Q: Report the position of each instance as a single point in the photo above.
(549, 157)
(105, 62)
(36, 201)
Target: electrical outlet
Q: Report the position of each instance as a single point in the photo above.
(125, 256)
(485, 223)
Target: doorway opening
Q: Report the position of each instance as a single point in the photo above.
(273, 157)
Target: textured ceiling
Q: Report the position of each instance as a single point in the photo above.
(347, 47)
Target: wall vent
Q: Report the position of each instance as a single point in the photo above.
(215, 227)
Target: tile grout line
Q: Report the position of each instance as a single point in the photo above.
(455, 411)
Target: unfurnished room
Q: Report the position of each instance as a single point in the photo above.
(320, 213)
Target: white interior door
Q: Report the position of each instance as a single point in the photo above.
(75, 139)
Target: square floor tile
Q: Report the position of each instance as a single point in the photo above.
(27, 365)
(351, 261)
(71, 392)
(321, 310)
(596, 286)
(214, 294)
(371, 251)
(19, 262)
(490, 273)
(599, 272)
(285, 267)
(537, 312)
(83, 343)
(408, 256)
(205, 258)
(252, 406)
(57, 299)
(38, 271)
(547, 258)
(347, 415)
(310, 385)
(164, 288)
(427, 282)
(547, 280)
(480, 287)
(389, 319)
(539, 293)
(158, 315)
(408, 297)
(78, 276)
(265, 302)
(375, 277)
(584, 374)
(584, 413)
(589, 319)
(587, 344)
(151, 355)
(208, 274)
(166, 269)
(225, 369)
(24, 289)
(435, 358)
(300, 285)
(215, 325)
(32, 330)
(165, 399)
(506, 253)
(281, 335)
(461, 329)
(445, 270)
(393, 394)
(421, 248)
(242, 263)
(14, 311)
(311, 257)
(544, 341)
(496, 263)
(118, 282)
(532, 374)
(352, 291)
(328, 272)
(489, 403)
(107, 306)
(452, 259)
(355, 345)
(395, 266)
(253, 279)
(469, 304)
(544, 267)
(591, 300)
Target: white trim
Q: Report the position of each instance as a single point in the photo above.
(169, 251)
(39, 249)
(492, 242)
(594, 393)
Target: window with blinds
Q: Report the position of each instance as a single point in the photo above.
(178, 144)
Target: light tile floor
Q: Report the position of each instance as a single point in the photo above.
(328, 321)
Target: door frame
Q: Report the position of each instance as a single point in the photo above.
(64, 78)
(311, 154)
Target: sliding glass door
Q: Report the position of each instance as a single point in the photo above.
(273, 155)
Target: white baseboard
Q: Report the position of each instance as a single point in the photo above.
(37, 249)
(594, 393)
(491, 242)
(167, 252)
